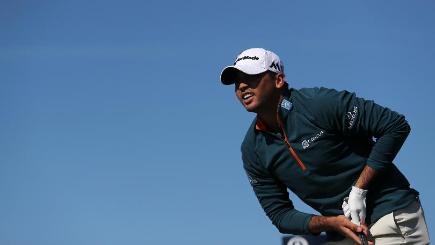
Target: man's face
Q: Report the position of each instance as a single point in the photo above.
(256, 92)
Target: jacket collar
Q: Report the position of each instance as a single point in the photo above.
(284, 107)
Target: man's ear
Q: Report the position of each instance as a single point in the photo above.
(279, 80)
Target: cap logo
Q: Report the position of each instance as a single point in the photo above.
(246, 58)
(275, 65)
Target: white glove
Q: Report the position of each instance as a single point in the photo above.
(345, 207)
(357, 205)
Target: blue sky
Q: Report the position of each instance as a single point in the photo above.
(116, 130)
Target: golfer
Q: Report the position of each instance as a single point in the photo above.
(332, 149)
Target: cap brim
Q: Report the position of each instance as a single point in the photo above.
(229, 73)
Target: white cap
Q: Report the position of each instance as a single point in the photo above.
(252, 61)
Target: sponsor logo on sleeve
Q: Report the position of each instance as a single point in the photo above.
(252, 181)
(351, 117)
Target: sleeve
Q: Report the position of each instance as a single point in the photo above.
(353, 116)
(274, 199)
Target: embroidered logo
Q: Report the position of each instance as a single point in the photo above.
(286, 104)
(275, 66)
(351, 117)
(297, 240)
(246, 58)
(306, 143)
(252, 181)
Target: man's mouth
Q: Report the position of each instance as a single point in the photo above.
(246, 96)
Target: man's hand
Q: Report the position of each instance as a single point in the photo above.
(339, 224)
(356, 205)
(349, 229)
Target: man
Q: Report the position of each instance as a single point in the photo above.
(325, 146)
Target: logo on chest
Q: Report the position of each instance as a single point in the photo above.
(308, 142)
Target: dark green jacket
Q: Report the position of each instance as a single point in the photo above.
(328, 137)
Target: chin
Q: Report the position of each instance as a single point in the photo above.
(251, 109)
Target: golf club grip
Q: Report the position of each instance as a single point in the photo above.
(363, 238)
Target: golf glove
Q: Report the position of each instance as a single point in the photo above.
(357, 205)
(345, 207)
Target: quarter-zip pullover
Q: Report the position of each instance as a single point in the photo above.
(327, 137)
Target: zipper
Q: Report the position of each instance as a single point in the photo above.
(285, 139)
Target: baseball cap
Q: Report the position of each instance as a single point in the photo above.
(252, 61)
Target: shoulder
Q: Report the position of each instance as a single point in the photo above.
(316, 93)
(248, 143)
(252, 163)
(319, 98)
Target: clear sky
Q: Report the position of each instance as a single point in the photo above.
(115, 128)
